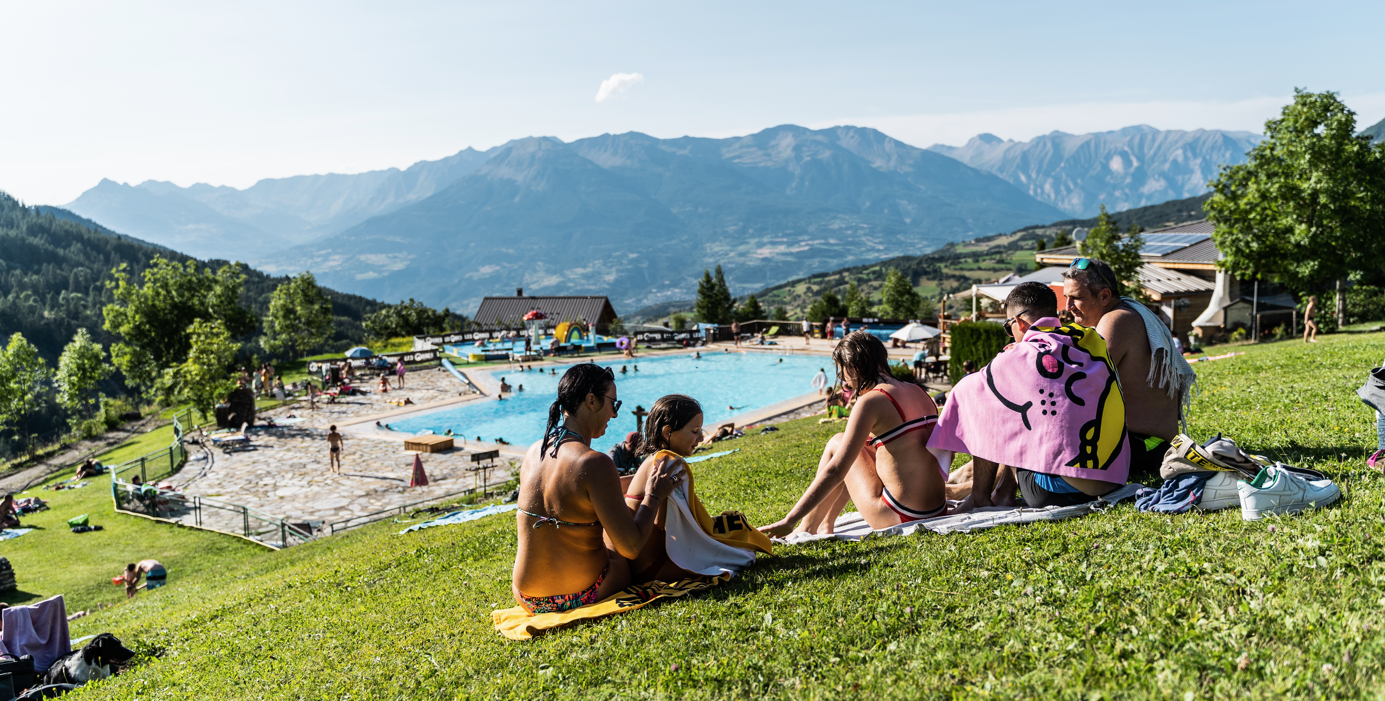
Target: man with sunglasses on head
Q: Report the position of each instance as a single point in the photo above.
(1155, 381)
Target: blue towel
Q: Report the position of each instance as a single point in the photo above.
(1174, 496)
(462, 517)
(709, 456)
(9, 533)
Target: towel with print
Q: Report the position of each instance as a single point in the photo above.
(518, 624)
(728, 528)
(1050, 403)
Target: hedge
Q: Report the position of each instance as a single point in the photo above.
(974, 340)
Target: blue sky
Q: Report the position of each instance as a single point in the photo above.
(230, 94)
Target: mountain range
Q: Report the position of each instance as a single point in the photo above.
(1131, 167)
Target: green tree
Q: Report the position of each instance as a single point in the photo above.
(678, 321)
(153, 319)
(828, 305)
(1308, 205)
(714, 304)
(300, 317)
(1063, 238)
(81, 366)
(780, 314)
(1105, 242)
(204, 377)
(412, 318)
(857, 303)
(24, 379)
(752, 309)
(898, 299)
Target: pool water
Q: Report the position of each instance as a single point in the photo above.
(726, 384)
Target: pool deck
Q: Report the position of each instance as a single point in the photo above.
(285, 472)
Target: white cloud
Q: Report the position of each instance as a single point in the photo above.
(617, 84)
(1024, 123)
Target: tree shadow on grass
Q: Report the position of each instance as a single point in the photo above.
(16, 597)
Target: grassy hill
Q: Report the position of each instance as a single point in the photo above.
(956, 267)
(1117, 605)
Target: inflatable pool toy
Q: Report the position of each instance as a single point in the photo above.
(567, 331)
(623, 342)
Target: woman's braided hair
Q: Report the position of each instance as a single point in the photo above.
(573, 388)
(673, 411)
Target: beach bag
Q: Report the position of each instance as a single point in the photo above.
(77, 521)
(1372, 393)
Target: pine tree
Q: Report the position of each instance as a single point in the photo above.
(898, 299)
(725, 305)
(1104, 242)
(751, 310)
(704, 309)
(1064, 238)
(857, 303)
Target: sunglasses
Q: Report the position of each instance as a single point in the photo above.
(1084, 263)
(616, 406)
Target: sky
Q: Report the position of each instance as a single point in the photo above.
(232, 93)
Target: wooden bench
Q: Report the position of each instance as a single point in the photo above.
(428, 444)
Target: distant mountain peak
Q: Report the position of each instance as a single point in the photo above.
(988, 139)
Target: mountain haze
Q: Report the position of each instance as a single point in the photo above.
(1131, 167)
(222, 222)
(639, 218)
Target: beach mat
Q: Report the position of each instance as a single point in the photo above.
(517, 624)
(11, 533)
(852, 527)
(709, 456)
(462, 517)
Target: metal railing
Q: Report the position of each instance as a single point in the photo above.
(147, 501)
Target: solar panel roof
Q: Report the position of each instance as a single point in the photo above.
(1162, 244)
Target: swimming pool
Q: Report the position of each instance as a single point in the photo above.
(726, 384)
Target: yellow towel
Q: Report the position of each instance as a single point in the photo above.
(518, 624)
(731, 527)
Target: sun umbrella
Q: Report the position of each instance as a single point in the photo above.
(915, 332)
(360, 352)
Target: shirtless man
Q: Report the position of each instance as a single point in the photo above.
(1310, 327)
(155, 576)
(1151, 415)
(334, 449)
(570, 494)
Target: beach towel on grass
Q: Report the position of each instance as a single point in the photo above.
(852, 527)
(718, 548)
(462, 517)
(1050, 403)
(9, 533)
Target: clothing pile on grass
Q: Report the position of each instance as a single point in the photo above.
(713, 548)
(36, 656)
(1217, 474)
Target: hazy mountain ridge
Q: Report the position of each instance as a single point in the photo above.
(639, 218)
(1127, 168)
(220, 221)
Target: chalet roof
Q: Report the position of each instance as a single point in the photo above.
(1163, 281)
(510, 311)
(1183, 246)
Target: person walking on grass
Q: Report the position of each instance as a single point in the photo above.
(334, 450)
(1310, 327)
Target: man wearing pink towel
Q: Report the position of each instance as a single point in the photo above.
(1049, 406)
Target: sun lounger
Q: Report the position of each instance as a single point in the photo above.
(230, 443)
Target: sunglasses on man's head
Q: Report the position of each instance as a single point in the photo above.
(1084, 263)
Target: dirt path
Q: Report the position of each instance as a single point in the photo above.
(22, 479)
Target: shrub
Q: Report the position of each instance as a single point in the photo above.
(978, 341)
(1365, 303)
(678, 321)
(1238, 335)
(902, 372)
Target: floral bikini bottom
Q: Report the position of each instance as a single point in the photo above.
(565, 602)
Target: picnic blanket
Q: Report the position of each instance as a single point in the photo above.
(11, 533)
(852, 527)
(718, 548)
(462, 517)
(1050, 403)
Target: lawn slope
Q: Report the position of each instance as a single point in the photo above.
(1119, 605)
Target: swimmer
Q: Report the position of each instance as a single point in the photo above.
(697, 355)
(521, 388)
(622, 369)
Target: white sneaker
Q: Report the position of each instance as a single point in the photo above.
(1279, 491)
(1220, 492)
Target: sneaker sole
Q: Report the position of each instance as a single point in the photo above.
(1253, 515)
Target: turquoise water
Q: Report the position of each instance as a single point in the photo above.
(726, 384)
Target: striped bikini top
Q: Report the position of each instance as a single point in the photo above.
(909, 424)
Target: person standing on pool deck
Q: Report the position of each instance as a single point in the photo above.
(881, 462)
(565, 484)
(334, 449)
(807, 332)
(736, 332)
(846, 327)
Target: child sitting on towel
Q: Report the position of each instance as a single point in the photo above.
(880, 462)
(674, 424)
(1049, 406)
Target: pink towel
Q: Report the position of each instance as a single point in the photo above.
(419, 478)
(39, 630)
(1051, 403)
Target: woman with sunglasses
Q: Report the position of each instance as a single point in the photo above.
(570, 495)
(881, 462)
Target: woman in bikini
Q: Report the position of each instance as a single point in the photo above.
(881, 462)
(674, 424)
(569, 494)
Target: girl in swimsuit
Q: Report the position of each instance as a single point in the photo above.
(570, 493)
(881, 462)
(675, 424)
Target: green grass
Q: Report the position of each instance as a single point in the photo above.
(1118, 605)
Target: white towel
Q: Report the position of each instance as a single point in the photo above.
(853, 527)
(1169, 369)
(691, 548)
(39, 630)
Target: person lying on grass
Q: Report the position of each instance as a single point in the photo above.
(1049, 406)
(674, 424)
(881, 462)
(570, 496)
